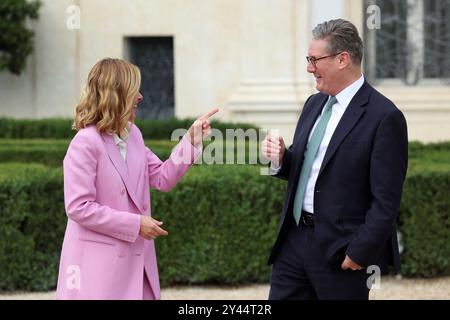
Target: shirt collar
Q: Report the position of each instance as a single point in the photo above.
(117, 139)
(125, 135)
(345, 96)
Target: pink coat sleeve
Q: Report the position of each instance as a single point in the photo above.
(165, 175)
(80, 166)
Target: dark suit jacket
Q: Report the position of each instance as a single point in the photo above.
(358, 190)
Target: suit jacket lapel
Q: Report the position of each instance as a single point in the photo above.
(301, 140)
(305, 130)
(114, 154)
(134, 162)
(349, 119)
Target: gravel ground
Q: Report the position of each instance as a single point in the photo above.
(391, 288)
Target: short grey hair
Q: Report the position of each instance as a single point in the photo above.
(341, 35)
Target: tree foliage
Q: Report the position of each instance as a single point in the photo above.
(16, 39)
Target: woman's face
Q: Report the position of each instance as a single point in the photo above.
(137, 100)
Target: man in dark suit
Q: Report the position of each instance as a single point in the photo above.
(345, 172)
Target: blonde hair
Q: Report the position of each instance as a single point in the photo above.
(108, 96)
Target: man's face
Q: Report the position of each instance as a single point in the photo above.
(325, 70)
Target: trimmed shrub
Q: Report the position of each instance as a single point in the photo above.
(425, 224)
(61, 128)
(52, 152)
(222, 221)
(32, 224)
(216, 235)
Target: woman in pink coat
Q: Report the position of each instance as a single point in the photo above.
(108, 250)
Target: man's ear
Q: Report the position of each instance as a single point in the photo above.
(344, 60)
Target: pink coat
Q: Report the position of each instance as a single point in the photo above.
(103, 256)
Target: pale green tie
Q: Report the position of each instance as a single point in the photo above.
(310, 154)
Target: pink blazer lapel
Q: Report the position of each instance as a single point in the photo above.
(134, 160)
(114, 155)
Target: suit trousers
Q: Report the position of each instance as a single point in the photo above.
(300, 271)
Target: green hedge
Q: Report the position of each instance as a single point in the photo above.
(222, 221)
(61, 128)
(425, 224)
(419, 147)
(31, 226)
(215, 236)
(51, 152)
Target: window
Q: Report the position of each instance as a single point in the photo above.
(154, 57)
(412, 44)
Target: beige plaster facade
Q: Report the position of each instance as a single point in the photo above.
(244, 56)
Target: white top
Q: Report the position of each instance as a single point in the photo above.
(122, 143)
(343, 100)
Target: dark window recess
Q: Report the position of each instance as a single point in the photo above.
(154, 57)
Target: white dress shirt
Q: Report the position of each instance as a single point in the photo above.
(343, 100)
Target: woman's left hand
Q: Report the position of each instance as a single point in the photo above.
(201, 128)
